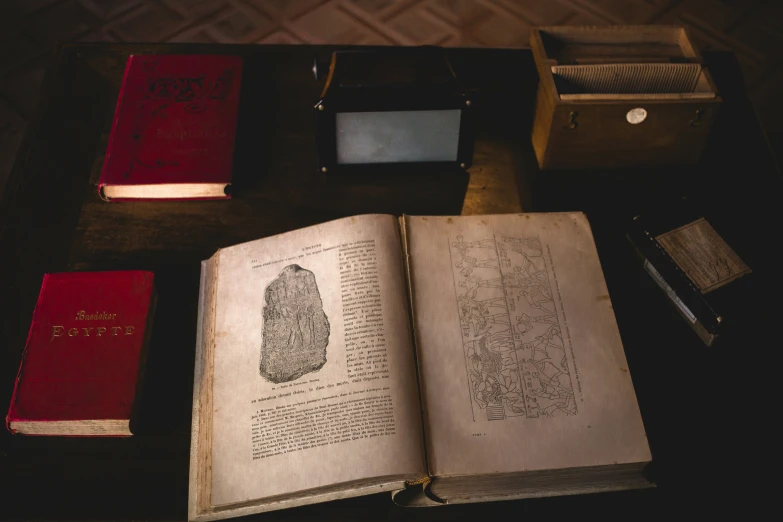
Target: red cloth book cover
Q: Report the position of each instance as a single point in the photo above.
(174, 128)
(85, 353)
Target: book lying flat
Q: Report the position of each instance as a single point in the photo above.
(444, 359)
(83, 364)
(174, 128)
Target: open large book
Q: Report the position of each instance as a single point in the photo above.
(446, 359)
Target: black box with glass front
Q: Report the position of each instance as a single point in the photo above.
(391, 106)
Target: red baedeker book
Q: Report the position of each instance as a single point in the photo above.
(174, 128)
(82, 366)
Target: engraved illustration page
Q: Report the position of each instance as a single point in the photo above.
(520, 359)
(314, 378)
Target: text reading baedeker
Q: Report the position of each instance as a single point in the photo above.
(302, 426)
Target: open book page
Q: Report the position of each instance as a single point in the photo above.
(520, 358)
(314, 378)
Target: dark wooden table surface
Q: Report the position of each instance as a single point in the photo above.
(708, 412)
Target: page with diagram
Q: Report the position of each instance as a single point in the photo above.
(520, 359)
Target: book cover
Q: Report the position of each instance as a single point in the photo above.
(84, 357)
(174, 128)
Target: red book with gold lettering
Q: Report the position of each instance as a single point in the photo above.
(174, 128)
(82, 367)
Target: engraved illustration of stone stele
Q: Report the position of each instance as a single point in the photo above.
(296, 329)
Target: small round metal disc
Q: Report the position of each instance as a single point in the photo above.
(636, 115)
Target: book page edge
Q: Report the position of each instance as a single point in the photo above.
(208, 276)
(316, 498)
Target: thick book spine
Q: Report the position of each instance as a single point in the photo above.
(112, 134)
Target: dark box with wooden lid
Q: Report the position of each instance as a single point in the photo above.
(704, 277)
(620, 96)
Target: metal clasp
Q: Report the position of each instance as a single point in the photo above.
(572, 123)
(697, 121)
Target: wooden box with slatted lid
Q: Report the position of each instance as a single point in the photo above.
(620, 96)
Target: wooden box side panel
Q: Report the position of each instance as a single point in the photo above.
(542, 122)
(671, 134)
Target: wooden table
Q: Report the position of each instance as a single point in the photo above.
(707, 411)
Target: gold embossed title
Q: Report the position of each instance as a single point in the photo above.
(92, 331)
